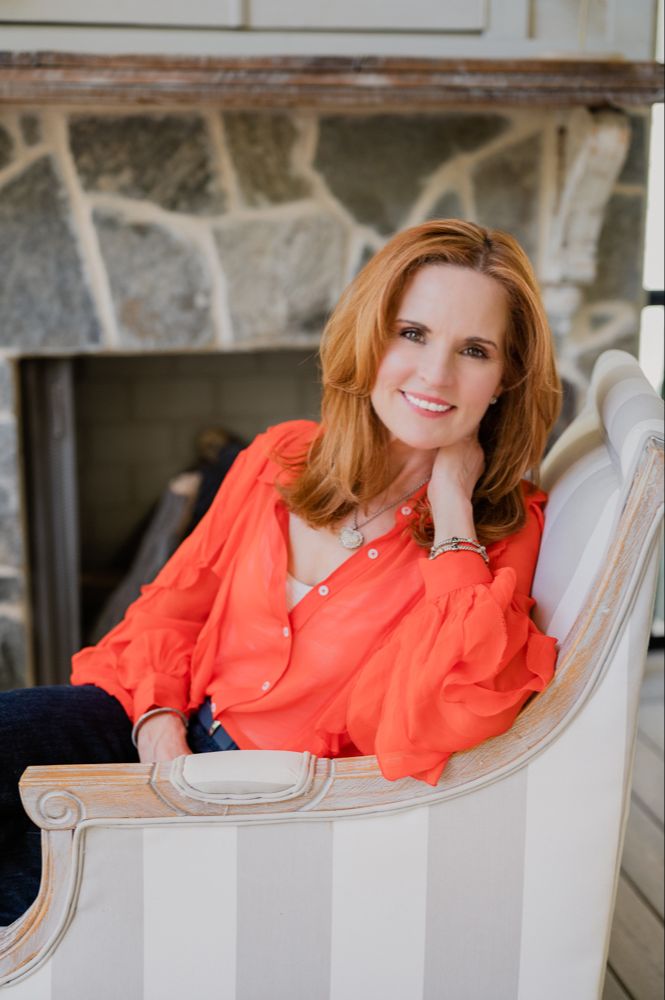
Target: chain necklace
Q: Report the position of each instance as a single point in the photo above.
(352, 537)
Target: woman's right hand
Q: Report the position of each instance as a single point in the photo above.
(162, 737)
(457, 469)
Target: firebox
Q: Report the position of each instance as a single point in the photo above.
(122, 456)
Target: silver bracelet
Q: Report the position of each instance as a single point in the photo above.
(456, 544)
(155, 711)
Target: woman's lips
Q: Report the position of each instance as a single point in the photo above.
(425, 406)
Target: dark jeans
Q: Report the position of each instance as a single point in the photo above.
(55, 725)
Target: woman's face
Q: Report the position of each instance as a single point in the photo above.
(444, 361)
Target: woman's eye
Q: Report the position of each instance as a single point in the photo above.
(475, 352)
(412, 334)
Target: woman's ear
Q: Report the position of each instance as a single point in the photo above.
(497, 394)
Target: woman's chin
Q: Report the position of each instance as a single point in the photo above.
(417, 442)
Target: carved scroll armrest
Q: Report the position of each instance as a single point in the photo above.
(214, 784)
(62, 799)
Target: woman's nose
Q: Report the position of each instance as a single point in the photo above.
(437, 369)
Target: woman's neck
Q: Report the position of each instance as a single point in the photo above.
(410, 469)
(409, 466)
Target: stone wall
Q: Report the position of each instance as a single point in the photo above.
(156, 232)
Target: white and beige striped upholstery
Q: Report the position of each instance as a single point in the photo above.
(262, 875)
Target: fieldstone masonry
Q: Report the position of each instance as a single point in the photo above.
(166, 160)
(159, 284)
(146, 232)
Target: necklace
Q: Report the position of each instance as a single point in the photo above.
(352, 537)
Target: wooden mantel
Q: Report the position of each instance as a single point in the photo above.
(343, 83)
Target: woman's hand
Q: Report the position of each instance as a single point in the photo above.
(162, 737)
(457, 468)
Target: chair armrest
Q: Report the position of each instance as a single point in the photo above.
(211, 784)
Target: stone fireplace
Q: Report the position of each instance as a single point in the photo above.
(212, 241)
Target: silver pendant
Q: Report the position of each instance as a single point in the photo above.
(351, 538)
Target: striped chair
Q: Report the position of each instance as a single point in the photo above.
(277, 875)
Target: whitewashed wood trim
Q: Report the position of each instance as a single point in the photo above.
(211, 13)
(373, 15)
(508, 19)
(241, 43)
(631, 28)
(25, 942)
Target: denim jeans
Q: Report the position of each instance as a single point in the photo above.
(58, 725)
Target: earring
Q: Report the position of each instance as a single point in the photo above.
(494, 399)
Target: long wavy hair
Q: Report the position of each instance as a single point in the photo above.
(347, 463)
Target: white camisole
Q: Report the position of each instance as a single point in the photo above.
(295, 591)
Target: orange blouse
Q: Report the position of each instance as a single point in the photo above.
(393, 654)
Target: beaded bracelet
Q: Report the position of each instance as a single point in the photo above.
(456, 544)
(155, 711)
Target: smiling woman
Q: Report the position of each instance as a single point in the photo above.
(360, 585)
(435, 383)
(447, 313)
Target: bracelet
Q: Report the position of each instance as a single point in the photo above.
(456, 544)
(155, 711)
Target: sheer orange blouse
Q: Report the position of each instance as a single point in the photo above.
(393, 654)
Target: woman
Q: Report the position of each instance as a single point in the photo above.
(359, 586)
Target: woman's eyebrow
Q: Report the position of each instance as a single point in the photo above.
(413, 322)
(467, 340)
(480, 340)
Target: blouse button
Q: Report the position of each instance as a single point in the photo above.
(323, 590)
(285, 632)
(373, 553)
(265, 685)
(406, 511)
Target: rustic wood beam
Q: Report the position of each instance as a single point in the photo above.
(340, 83)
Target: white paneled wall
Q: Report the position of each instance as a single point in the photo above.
(373, 15)
(454, 28)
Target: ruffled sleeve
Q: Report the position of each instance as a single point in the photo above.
(146, 659)
(459, 667)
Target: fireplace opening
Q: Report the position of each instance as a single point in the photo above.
(122, 456)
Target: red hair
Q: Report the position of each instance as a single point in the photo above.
(347, 462)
